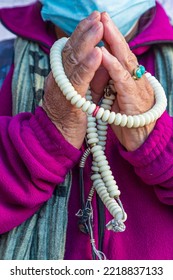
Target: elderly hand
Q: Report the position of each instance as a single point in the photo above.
(133, 96)
(86, 65)
(81, 59)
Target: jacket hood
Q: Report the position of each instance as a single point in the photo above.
(27, 23)
(157, 32)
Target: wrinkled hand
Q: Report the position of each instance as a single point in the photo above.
(81, 59)
(86, 64)
(133, 96)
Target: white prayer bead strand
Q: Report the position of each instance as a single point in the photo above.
(97, 135)
(102, 127)
(102, 132)
(86, 106)
(107, 104)
(119, 119)
(94, 168)
(92, 132)
(106, 175)
(99, 160)
(110, 203)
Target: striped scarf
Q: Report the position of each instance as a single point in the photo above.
(42, 237)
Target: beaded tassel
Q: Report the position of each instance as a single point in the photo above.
(86, 213)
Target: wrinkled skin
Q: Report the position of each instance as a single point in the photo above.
(86, 64)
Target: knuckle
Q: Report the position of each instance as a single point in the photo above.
(125, 77)
(84, 69)
(83, 41)
(81, 75)
(130, 61)
(68, 47)
(72, 58)
(72, 55)
(80, 27)
(71, 61)
(76, 79)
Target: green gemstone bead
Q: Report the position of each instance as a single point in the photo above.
(138, 73)
(142, 68)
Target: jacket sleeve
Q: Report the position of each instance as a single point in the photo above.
(153, 161)
(34, 158)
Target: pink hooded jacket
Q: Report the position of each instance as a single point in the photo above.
(34, 158)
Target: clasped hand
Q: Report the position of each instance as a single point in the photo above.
(86, 65)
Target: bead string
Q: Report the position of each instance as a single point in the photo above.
(103, 180)
(85, 214)
(105, 115)
(98, 119)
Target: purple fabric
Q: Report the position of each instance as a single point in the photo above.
(5, 95)
(162, 31)
(35, 157)
(32, 25)
(146, 184)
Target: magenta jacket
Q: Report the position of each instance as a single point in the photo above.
(34, 158)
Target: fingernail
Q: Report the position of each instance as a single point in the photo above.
(93, 15)
(106, 16)
(103, 49)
